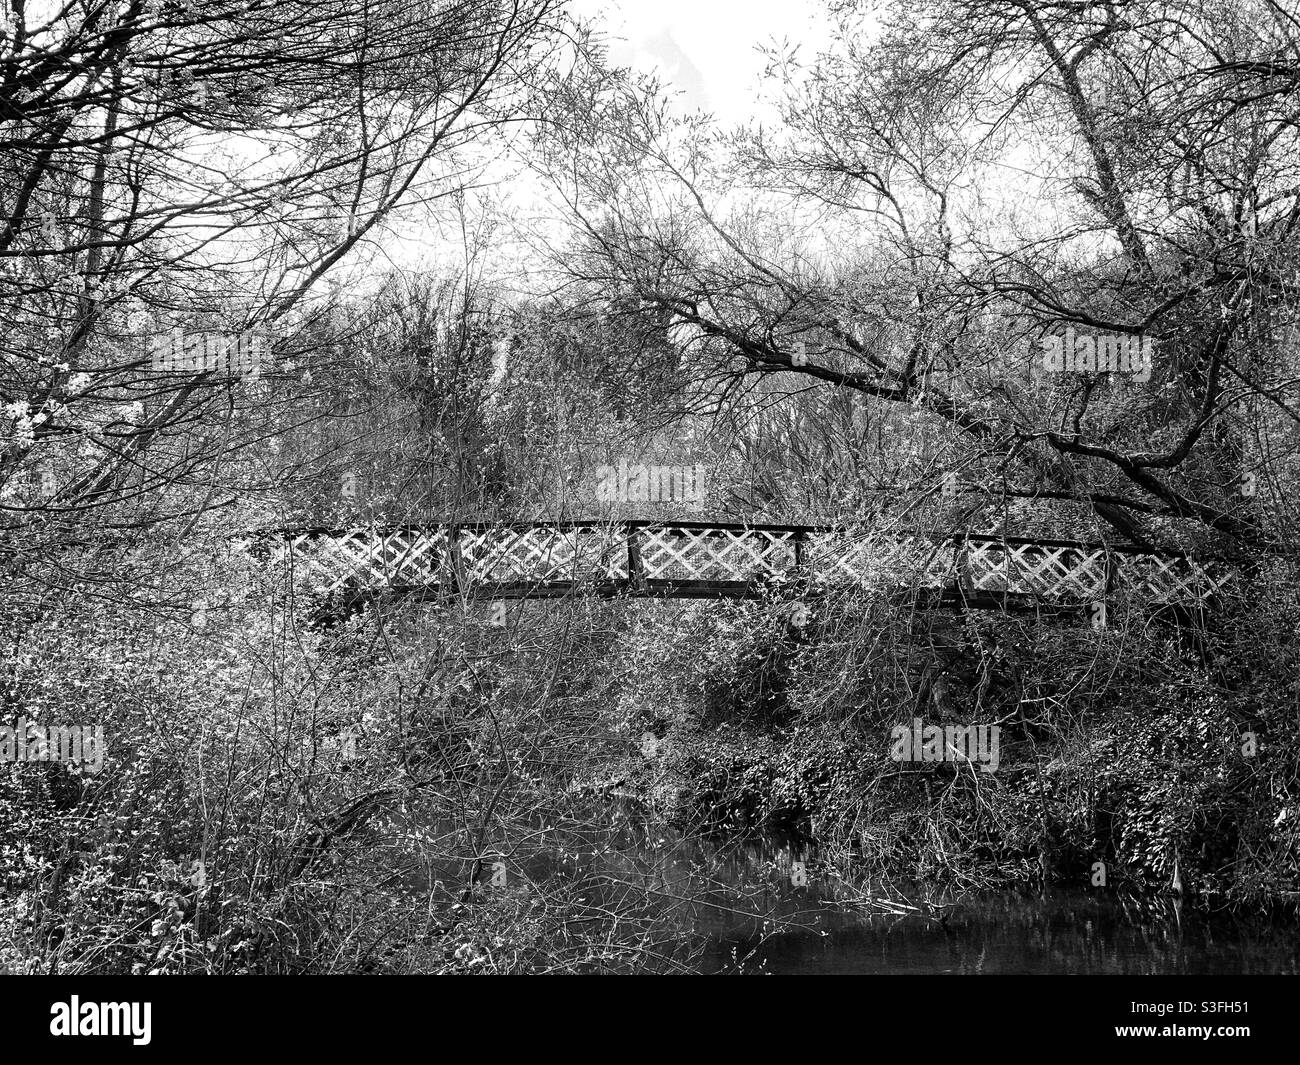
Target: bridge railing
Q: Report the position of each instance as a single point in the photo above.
(726, 558)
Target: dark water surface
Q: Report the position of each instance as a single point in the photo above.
(752, 912)
(1056, 931)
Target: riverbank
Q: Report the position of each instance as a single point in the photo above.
(1128, 760)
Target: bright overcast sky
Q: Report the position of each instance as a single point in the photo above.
(706, 48)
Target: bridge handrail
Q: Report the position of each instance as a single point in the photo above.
(633, 525)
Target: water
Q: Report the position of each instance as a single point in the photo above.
(1057, 931)
(742, 901)
(733, 908)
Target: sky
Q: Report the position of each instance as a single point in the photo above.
(706, 48)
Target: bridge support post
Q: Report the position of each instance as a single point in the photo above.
(961, 563)
(635, 568)
(1112, 574)
(455, 564)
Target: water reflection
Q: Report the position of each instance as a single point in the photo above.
(749, 894)
(1014, 932)
(734, 907)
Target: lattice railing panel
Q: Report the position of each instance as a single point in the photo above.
(910, 561)
(411, 558)
(1174, 579)
(714, 554)
(361, 558)
(329, 563)
(510, 555)
(1030, 569)
(599, 553)
(541, 554)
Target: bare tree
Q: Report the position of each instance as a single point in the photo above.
(946, 196)
(181, 179)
